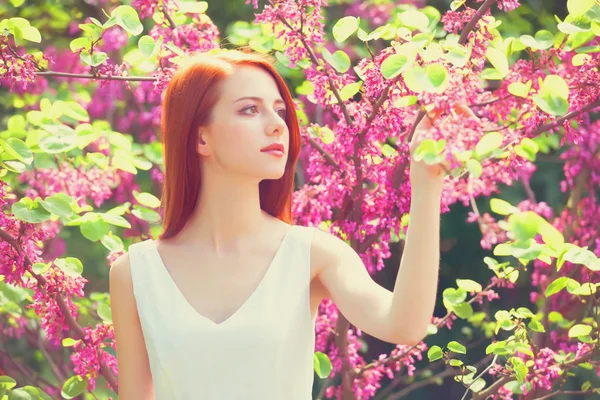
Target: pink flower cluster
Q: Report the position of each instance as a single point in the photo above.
(89, 353)
(82, 183)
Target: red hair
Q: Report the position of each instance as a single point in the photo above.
(188, 103)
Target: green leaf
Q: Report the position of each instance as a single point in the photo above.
(554, 96)
(519, 89)
(145, 214)
(430, 151)
(497, 348)
(123, 163)
(94, 229)
(73, 387)
(322, 364)
(128, 19)
(502, 207)
(455, 362)
(74, 110)
(463, 310)
(579, 7)
(147, 199)
(95, 59)
(350, 90)
(113, 243)
(551, 236)
(434, 353)
(489, 142)
(146, 45)
(345, 27)
(474, 167)
(27, 211)
(478, 385)
(105, 313)
(457, 347)
(536, 326)
(193, 7)
(543, 40)
(57, 205)
(469, 285)
(57, 144)
(71, 266)
(414, 19)
(454, 296)
(579, 330)
(338, 60)
(16, 149)
(40, 268)
(83, 42)
(69, 342)
(394, 65)
(405, 101)
(433, 78)
(556, 286)
(498, 59)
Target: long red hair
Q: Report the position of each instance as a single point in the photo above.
(188, 102)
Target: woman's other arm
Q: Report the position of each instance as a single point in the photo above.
(135, 380)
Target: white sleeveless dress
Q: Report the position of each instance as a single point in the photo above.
(264, 351)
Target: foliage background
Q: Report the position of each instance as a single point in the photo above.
(461, 253)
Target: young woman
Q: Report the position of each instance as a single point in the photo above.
(223, 305)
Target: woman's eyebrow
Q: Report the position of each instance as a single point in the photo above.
(260, 100)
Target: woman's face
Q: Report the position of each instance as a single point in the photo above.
(249, 116)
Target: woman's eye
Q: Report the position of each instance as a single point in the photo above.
(250, 108)
(282, 112)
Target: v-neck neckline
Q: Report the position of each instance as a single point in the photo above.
(253, 294)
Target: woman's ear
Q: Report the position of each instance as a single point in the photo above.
(202, 145)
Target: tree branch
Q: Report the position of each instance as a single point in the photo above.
(69, 319)
(484, 8)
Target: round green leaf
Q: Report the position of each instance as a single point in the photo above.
(58, 144)
(71, 266)
(128, 19)
(17, 149)
(556, 286)
(414, 19)
(105, 313)
(94, 230)
(58, 206)
(145, 214)
(434, 353)
(502, 207)
(147, 199)
(579, 7)
(113, 243)
(463, 310)
(338, 60)
(579, 330)
(519, 89)
(393, 65)
(457, 348)
(345, 27)
(469, 285)
(454, 296)
(73, 387)
(489, 142)
(498, 59)
(33, 213)
(146, 45)
(322, 364)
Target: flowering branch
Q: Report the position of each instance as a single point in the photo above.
(69, 319)
(471, 24)
(493, 388)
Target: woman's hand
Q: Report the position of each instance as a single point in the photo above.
(422, 174)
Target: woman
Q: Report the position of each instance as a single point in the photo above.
(223, 305)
